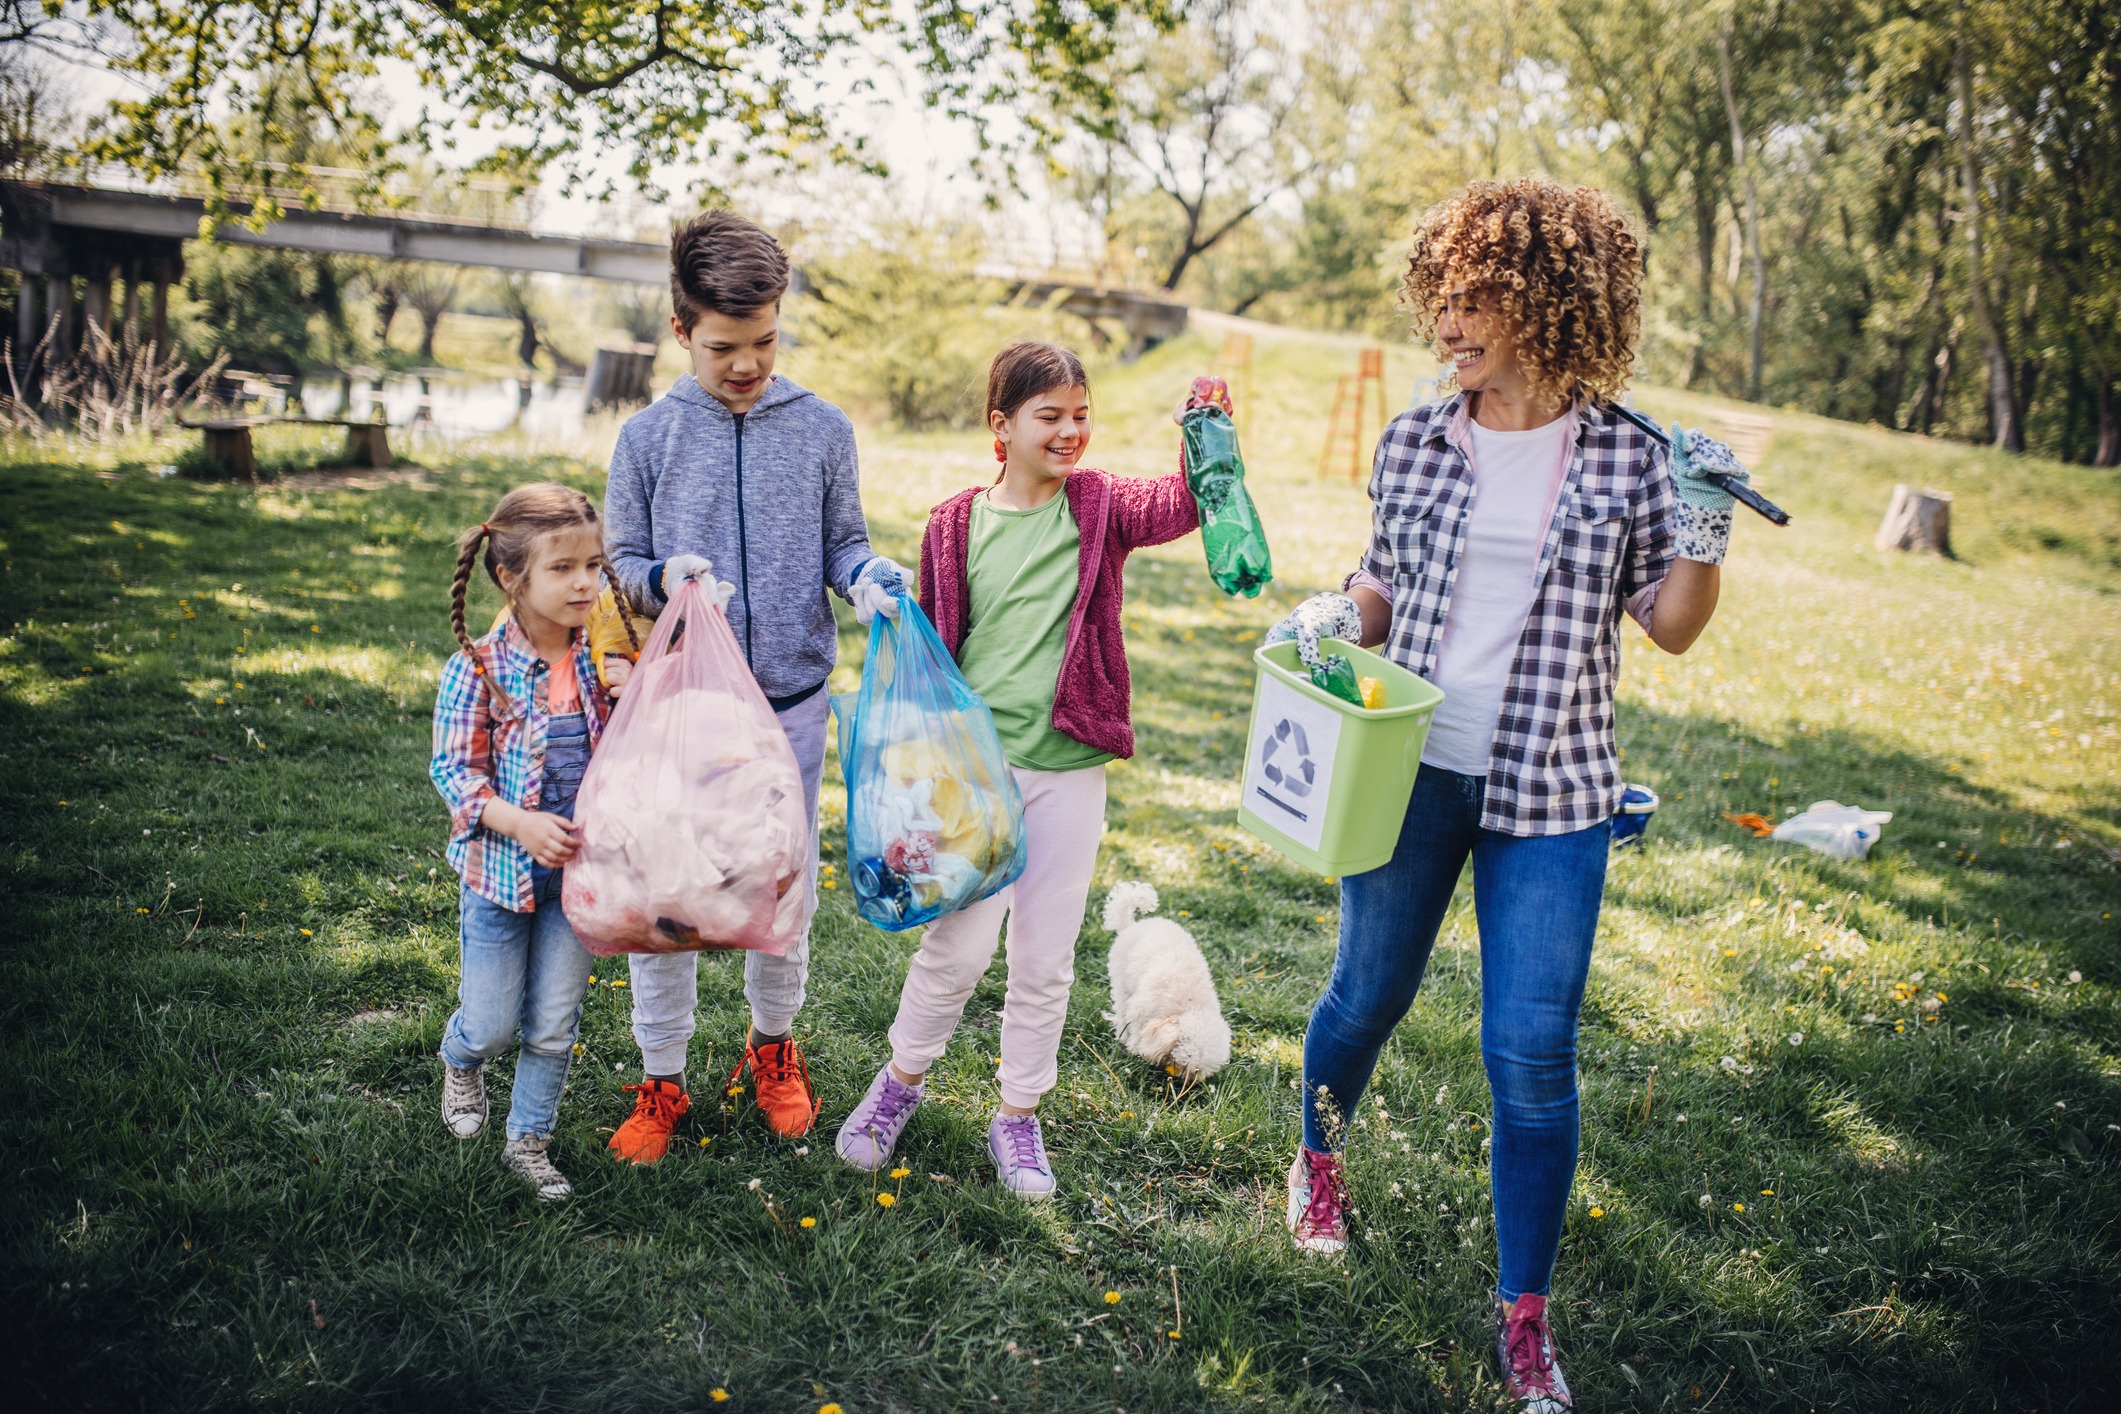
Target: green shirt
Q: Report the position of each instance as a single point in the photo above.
(1021, 578)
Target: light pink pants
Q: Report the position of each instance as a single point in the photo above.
(1064, 817)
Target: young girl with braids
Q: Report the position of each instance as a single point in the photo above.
(517, 715)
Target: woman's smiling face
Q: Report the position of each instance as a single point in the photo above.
(1482, 351)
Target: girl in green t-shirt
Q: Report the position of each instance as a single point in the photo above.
(1023, 580)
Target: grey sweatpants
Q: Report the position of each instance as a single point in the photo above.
(666, 986)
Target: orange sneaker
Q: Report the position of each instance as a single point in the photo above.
(657, 1108)
(784, 1090)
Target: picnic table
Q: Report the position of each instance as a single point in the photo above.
(228, 438)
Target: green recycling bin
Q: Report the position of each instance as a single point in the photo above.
(1327, 782)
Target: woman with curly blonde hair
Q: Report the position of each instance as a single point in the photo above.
(1514, 523)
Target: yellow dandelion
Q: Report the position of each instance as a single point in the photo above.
(1767, 1192)
(306, 933)
(809, 1222)
(900, 1173)
(1174, 1335)
(1737, 1207)
(828, 1409)
(718, 1395)
(734, 1090)
(139, 910)
(1112, 1298)
(885, 1200)
(592, 979)
(1597, 1212)
(314, 629)
(708, 1140)
(620, 983)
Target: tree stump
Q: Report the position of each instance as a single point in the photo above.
(1917, 520)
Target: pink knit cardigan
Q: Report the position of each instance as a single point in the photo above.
(1115, 514)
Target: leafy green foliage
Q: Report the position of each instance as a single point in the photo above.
(665, 82)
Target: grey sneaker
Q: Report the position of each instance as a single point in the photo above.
(871, 1132)
(1018, 1149)
(1530, 1375)
(464, 1100)
(1318, 1203)
(526, 1156)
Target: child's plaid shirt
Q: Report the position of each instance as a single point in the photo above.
(1554, 766)
(478, 757)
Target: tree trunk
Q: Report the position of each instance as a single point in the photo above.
(1917, 520)
(2109, 452)
(527, 345)
(2002, 401)
(428, 324)
(386, 311)
(1706, 207)
(1752, 216)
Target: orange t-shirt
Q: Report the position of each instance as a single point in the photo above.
(562, 694)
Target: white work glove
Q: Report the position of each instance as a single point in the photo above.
(679, 568)
(876, 589)
(1320, 616)
(1701, 522)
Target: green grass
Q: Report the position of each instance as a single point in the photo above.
(233, 947)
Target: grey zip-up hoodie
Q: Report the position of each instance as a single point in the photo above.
(771, 497)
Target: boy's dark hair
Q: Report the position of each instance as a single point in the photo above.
(722, 264)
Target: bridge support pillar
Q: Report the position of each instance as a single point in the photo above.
(159, 314)
(59, 313)
(95, 309)
(27, 329)
(129, 320)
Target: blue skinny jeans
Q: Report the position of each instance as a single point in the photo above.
(1536, 898)
(521, 972)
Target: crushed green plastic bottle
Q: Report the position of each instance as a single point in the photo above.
(1238, 561)
(1335, 674)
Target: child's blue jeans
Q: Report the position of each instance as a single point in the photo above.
(520, 971)
(1536, 899)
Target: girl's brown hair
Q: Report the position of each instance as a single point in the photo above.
(510, 535)
(1025, 369)
(1561, 264)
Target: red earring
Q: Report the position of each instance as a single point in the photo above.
(1001, 453)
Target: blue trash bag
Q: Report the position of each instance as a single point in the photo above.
(934, 821)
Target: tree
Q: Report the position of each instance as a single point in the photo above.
(1200, 115)
(430, 289)
(664, 81)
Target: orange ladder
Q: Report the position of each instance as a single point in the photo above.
(1344, 435)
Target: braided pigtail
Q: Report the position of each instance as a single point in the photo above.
(467, 556)
(625, 605)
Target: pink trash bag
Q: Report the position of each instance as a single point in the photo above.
(694, 834)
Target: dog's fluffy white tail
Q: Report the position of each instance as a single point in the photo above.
(1127, 902)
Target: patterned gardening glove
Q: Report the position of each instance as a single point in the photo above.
(877, 588)
(1701, 522)
(1320, 616)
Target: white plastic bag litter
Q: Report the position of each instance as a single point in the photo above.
(1843, 831)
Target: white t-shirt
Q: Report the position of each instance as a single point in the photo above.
(1516, 478)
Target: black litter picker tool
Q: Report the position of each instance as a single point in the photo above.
(1743, 493)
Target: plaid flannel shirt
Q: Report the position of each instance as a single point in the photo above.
(479, 757)
(1554, 766)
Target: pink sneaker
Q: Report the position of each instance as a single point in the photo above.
(1318, 1202)
(1530, 1374)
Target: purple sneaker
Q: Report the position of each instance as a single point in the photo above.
(1019, 1153)
(1525, 1346)
(871, 1132)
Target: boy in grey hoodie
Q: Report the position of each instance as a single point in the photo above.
(741, 474)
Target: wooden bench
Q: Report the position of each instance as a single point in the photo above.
(228, 439)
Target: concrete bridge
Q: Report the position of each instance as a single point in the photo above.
(105, 238)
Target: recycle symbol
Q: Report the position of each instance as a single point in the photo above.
(1296, 776)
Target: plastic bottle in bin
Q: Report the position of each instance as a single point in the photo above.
(1238, 561)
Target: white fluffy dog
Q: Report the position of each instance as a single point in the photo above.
(1163, 997)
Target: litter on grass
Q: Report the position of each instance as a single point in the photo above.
(1841, 831)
